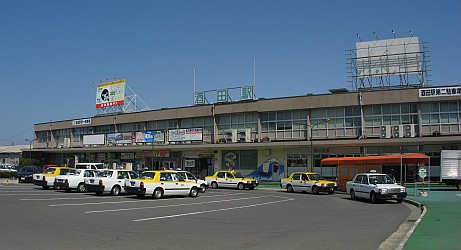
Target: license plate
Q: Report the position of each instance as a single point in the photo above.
(23, 178)
(132, 183)
(394, 196)
(91, 181)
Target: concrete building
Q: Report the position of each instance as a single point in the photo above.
(264, 138)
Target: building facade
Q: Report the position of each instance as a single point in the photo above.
(265, 138)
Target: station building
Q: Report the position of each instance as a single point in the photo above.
(265, 138)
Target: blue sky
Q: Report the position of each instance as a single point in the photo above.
(51, 52)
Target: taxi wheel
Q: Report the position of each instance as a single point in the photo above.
(240, 186)
(158, 193)
(315, 190)
(202, 188)
(214, 185)
(81, 188)
(458, 185)
(193, 192)
(353, 197)
(373, 198)
(115, 191)
(289, 189)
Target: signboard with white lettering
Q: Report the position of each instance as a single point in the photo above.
(190, 134)
(440, 92)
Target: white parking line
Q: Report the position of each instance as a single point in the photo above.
(132, 201)
(175, 205)
(65, 198)
(212, 211)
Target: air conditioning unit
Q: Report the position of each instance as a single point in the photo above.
(385, 132)
(244, 135)
(67, 142)
(231, 135)
(409, 130)
(397, 131)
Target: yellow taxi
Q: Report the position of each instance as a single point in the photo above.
(160, 183)
(307, 182)
(46, 179)
(232, 179)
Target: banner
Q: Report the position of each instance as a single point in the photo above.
(150, 136)
(190, 134)
(119, 138)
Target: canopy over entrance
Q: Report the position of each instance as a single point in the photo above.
(413, 158)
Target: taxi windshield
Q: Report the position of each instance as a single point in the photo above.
(380, 179)
(315, 177)
(50, 170)
(106, 173)
(64, 171)
(238, 175)
(147, 175)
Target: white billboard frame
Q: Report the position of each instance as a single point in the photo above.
(396, 56)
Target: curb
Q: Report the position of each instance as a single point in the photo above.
(412, 229)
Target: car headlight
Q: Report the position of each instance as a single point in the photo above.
(403, 190)
(383, 190)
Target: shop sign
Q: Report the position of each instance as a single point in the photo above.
(126, 156)
(206, 154)
(190, 134)
(189, 163)
(81, 122)
(161, 154)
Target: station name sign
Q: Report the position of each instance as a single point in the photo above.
(81, 122)
(440, 92)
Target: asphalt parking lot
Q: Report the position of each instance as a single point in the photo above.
(218, 219)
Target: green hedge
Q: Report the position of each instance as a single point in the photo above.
(8, 175)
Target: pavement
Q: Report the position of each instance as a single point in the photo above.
(439, 227)
(438, 224)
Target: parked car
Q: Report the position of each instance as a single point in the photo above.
(74, 180)
(232, 179)
(7, 168)
(46, 179)
(307, 182)
(109, 181)
(94, 166)
(160, 183)
(188, 176)
(26, 173)
(375, 186)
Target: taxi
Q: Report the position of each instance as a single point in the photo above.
(307, 182)
(232, 179)
(160, 183)
(46, 179)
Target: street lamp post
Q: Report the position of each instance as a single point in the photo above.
(310, 138)
(30, 149)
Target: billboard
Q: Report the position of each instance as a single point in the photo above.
(388, 57)
(150, 136)
(190, 134)
(110, 94)
(119, 138)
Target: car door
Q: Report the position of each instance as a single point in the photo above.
(306, 183)
(167, 183)
(363, 188)
(357, 186)
(181, 185)
(296, 182)
(221, 179)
